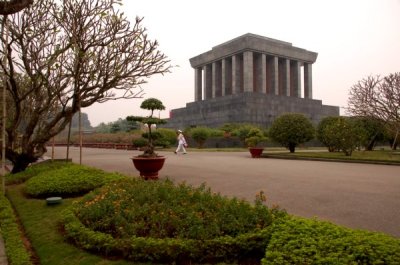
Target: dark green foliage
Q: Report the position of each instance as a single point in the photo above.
(230, 127)
(152, 104)
(14, 246)
(291, 129)
(115, 128)
(322, 132)
(168, 135)
(160, 221)
(372, 131)
(254, 137)
(119, 125)
(344, 134)
(200, 135)
(139, 142)
(242, 131)
(71, 180)
(302, 241)
(34, 170)
(162, 137)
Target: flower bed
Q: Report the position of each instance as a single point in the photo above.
(157, 221)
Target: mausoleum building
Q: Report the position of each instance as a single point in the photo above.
(251, 79)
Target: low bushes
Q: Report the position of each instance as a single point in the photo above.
(70, 180)
(34, 170)
(305, 241)
(157, 221)
(15, 249)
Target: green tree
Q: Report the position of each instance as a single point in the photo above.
(373, 130)
(345, 135)
(378, 98)
(200, 135)
(322, 134)
(64, 56)
(291, 129)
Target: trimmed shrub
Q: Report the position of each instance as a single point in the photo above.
(15, 249)
(304, 241)
(140, 142)
(242, 131)
(158, 221)
(254, 137)
(168, 135)
(322, 132)
(291, 129)
(200, 135)
(344, 134)
(69, 181)
(34, 170)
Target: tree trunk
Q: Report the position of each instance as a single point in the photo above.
(21, 162)
(13, 6)
(292, 148)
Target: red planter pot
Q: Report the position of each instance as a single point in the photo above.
(148, 166)
(256, 151)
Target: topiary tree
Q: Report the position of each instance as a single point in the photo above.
(291, 129)
(254, 137)
(151, 104)
(200, 135)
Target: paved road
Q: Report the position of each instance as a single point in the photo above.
(354, 195)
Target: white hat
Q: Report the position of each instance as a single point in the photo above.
(179, 131)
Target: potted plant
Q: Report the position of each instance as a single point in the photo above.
(253, 138)
(149, 163)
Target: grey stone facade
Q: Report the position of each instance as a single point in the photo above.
(251, 79)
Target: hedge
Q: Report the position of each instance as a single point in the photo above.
(68, 181)
(34, 170)
(15, 248)
(166, 250)
(298, 240)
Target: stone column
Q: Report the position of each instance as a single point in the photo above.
(198, 84)
(307, 80)
(236, 74)
(207, 81)
(226, 75)
(284, 77)
(295, 79)
(248, 76)
(263, 74)
(273, 75)
(214, 79)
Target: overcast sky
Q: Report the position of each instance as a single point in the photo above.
(353, 39)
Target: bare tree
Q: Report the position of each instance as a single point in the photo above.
(66, 56)
(378, 98)
(13, 6)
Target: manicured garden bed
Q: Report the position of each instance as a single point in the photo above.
(139, 221)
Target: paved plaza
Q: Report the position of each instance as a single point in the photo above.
(354, 195)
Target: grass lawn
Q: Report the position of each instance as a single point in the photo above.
(373, 156)
(41, 223)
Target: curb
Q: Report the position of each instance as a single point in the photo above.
(386, 163)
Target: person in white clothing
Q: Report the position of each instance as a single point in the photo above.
(181, 143)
